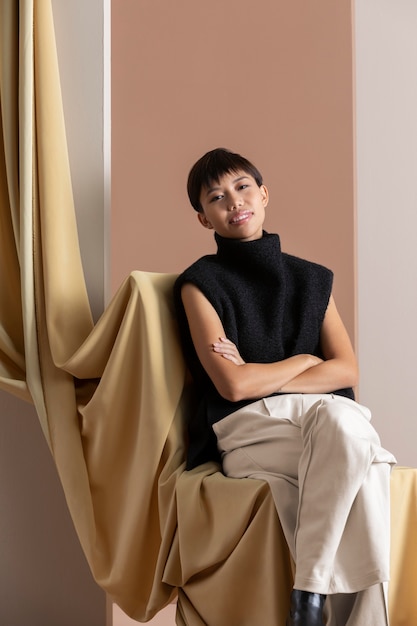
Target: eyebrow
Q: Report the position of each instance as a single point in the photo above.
(236, 180)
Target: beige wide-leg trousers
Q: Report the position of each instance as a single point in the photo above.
(329, 478)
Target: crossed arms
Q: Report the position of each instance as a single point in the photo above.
(304, 373)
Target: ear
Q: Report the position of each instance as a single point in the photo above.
(265, 195)
(203, 220)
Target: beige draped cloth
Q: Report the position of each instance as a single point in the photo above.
(112, 398)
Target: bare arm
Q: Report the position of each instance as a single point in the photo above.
(339, 368)
(235, 381)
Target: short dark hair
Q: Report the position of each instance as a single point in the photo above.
(211, 167)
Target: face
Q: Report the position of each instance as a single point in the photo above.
(234, 207)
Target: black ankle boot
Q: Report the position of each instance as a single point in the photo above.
(306, 609)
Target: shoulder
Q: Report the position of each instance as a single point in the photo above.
(200, 273)
(302, 267)
(312, 281)
(200, 265)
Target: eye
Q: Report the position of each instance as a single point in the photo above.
(216, 198)
(243, 186)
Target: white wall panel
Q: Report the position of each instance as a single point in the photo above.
(386, 101)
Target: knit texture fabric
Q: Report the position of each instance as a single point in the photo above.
(271, 305)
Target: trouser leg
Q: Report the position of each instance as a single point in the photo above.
(342, 530)
(259, 443)
(364, 608)
(337, 523)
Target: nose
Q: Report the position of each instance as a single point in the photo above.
(234, 201)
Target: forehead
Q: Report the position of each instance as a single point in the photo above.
(228, 178)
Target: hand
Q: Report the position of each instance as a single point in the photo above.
(228, 350)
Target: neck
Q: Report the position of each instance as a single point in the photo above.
(250, 256)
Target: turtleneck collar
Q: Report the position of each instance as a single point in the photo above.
(265, 251)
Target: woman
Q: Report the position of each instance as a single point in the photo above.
(275, 368)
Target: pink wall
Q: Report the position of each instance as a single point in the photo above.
(272, 80)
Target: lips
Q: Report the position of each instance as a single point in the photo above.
(240, 217)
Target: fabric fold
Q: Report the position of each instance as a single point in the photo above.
(113, 398)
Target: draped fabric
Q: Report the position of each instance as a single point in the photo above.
(112, 397)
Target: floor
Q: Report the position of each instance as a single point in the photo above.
(166, 617)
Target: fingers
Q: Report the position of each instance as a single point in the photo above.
(224, 346)
(228, 350)
(224, 342)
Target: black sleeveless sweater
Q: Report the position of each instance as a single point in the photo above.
(271, 305)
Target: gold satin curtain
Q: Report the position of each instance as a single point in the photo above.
(111, 398)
